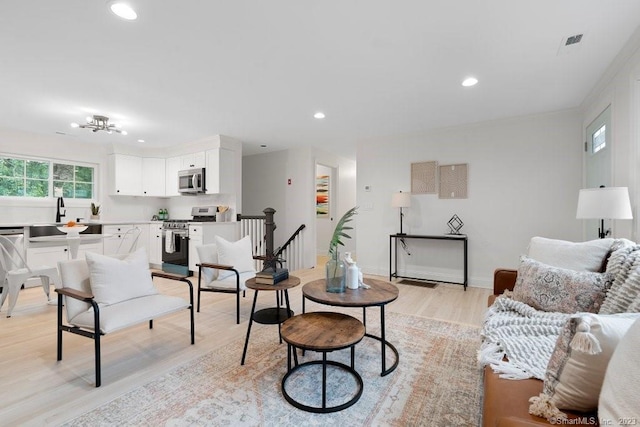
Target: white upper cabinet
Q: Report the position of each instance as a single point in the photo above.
(125, 175)
(221, 171)
(193, 160)
(136, 176)
(153, 177)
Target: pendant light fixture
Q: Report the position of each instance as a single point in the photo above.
(96, 123)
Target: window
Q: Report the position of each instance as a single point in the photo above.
(37, 178)
(76, 181)
(599, 139)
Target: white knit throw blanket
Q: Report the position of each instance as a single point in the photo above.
(523, 334)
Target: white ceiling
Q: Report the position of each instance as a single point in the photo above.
(258, 70)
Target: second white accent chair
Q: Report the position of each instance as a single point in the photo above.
(225, 267)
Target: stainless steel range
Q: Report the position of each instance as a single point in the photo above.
(175, 246)
(175, 239)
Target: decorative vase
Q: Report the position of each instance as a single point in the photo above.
(95, 217)
(335, 274)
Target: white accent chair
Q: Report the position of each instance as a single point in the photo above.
(14, 272)
(225, 267)
(105, 294)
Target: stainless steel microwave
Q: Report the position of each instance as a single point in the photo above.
(191, 181)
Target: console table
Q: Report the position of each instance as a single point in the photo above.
(393, 253)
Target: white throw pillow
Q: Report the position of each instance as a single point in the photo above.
(582, 256)
(208, 254)
(115, 280)
(618, 403)
(579, 361)
(236, 254)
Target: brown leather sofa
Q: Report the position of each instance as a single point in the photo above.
(506, 402)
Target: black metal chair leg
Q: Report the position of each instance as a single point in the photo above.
(59, 327)
(237, 308)
(199, 280)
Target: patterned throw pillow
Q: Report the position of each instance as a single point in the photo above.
(555, 289)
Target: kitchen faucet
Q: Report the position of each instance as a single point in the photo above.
(60, 204)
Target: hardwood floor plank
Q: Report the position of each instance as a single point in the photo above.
(35, 389)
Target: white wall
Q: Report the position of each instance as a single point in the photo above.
(266, 184)
(524, 177)
(620, 87)
(113, 208)
(58, 147)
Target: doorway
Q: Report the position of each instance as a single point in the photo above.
(326, 200)
(598, 162)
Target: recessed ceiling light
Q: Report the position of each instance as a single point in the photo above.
(469, 81)
(75, 125)
(141, 140)
(319, 115)
(123, 10)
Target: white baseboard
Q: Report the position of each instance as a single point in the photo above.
(474, 281)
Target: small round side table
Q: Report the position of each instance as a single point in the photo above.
(273, 315)
(322, 332)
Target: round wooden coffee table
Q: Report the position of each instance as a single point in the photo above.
(379, 294)
(322, 332)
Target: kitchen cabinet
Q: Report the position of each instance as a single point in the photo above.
(155, 243)
(125, 175)
(173, 166)
(221, 171)
(153, 176)
(195, 239)
(123, 238)
(136, 176)
(50, 255)
(193, 160)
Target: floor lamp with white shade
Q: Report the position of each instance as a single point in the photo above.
(604, 203)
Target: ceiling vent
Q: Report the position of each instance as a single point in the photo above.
(570, 44)
(573, 39)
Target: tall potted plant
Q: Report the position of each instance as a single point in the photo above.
(335, 269)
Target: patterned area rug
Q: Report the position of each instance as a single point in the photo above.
(436, 383)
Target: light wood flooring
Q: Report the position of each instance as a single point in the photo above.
(35, 389)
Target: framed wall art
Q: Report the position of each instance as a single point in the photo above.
(423, 177)
(453, 181)
(322, 196)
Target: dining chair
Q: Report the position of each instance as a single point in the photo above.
(14, 272)
(132, 234)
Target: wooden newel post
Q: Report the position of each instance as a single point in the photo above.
(269, 226)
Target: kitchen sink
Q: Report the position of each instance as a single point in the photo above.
(41, 230)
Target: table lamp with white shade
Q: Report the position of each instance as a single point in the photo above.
(401, 200)
(604, 203)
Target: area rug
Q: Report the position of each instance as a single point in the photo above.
(437, 382)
